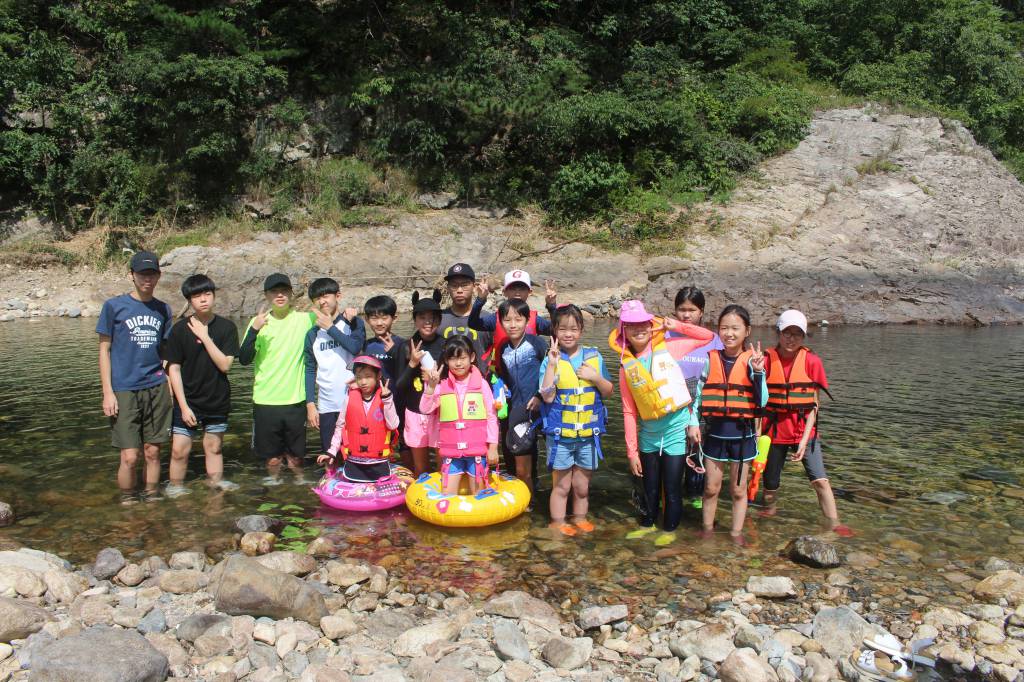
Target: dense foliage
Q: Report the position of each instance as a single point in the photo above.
(116, 110)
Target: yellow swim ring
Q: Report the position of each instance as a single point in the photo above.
(505, 498)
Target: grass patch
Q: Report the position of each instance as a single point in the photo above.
(39, 254)
(877, 166)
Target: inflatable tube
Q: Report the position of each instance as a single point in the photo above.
(505, 498)
(340, 493)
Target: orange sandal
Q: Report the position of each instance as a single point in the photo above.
(564, 528)
(584, 525)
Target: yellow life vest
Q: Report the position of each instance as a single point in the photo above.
(577, 410)
(659, 391)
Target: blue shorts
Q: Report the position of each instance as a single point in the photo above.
(452, 466)
(730, 449)
(570, 452)
(204, 422)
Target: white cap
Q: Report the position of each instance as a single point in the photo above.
(514, 276)
(792, 318)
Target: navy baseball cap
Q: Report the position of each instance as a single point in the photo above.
(276, 280)
(460, 270)
(145, 260)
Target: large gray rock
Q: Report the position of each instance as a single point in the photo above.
(413, 641)
(99, 654)
(185, 560)
(712, 642)
(509, 641)
(811, 551)
(743, 665)
(288, 562)
(33, 560)
(520, 605)
(242, 586)
(596, 616)
(19, 619)
(1008, 585)
(569, 654)
(840, 630)
(184, 581)
(108, 562)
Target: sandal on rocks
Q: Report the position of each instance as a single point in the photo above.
(876, 665)
(888, 644)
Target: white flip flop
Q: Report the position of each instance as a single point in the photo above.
(888, 644)
(866, 664)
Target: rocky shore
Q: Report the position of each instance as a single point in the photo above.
(874, 218)
(263, 615)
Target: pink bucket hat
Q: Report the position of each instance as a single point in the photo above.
(367, 360)
(633, 312)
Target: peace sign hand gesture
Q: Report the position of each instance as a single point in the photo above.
(481, 289)
(550, 293)
(260, 319)
(757, 359)
(387, 341)
(415, 353)
(553, 351)
(385, 389)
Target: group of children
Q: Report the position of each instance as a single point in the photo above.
(466, 385)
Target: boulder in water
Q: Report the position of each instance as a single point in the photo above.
(811, 551)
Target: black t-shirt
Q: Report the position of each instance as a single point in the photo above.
(207, 389)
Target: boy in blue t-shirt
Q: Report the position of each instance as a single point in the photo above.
(131, 329)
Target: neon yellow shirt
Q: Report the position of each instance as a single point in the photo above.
(279, 365)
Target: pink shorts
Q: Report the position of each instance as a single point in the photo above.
(420, 430)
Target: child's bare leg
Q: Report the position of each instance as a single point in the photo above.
(420, 461)
(739, 496)
(274, 466)
(126, 470)
(712, 486)
(454, 481)
(213, 449)
(561, 485)
(771, 499)
(152, 454)
(524, 470)
(826, 500)
(580, 492)
(295, 464)
(181, 447)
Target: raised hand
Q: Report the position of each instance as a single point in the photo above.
(431, 377)
(757, 359)
(201, 331)
(260, 319)
(350, 314)
(481, 289)
(415, 352)
(323, 320)
(550, 293)
(387, 341)
(385, 388)
(553, 352)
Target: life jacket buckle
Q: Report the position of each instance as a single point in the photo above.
(460, 425)
(461, 446)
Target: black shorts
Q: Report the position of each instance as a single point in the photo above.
(328, 422)
(279, 430)
(365, 472)
(734, 450)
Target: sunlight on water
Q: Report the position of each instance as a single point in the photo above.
(923, 445)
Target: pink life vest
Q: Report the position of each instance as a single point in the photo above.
(463, 424)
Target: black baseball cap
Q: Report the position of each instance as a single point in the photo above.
(460, 270)
(145, 260)
(276, 280)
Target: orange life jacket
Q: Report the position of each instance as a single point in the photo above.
(732, 397)
(366, 433)
(795, 393)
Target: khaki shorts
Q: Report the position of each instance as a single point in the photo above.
(143, 416)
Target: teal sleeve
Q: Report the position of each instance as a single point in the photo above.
(604, 370)
(760, 386)
(543, 369)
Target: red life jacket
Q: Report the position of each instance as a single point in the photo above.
(366, 433)
(500, 338)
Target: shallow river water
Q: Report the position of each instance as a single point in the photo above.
(923, 444)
